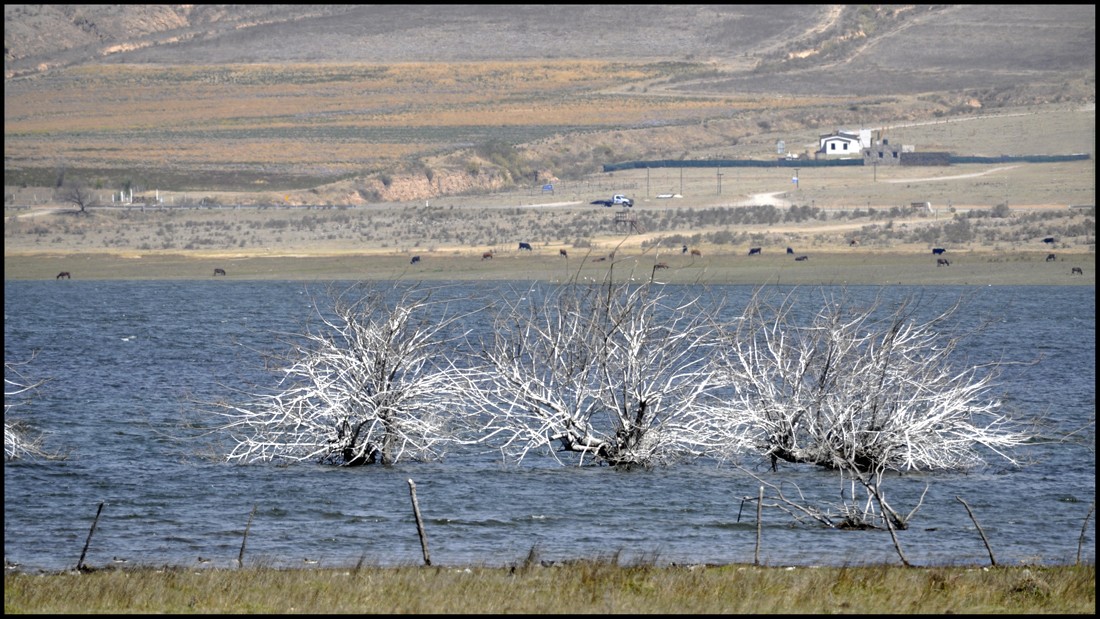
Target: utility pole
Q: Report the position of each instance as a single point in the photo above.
(719, 180)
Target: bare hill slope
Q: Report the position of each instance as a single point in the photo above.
(369, 103)
(823, 49)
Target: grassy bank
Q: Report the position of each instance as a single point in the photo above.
(838, 268)
(583, 587)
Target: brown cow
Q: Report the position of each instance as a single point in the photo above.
(696, 252)
(63, 275)
(487, 255)
(660, 265)
(943, 262)
(563, 253)
(219, 272)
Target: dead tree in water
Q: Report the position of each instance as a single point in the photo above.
(863, 391)
(373, 383)
(20, 440)
(615, 374)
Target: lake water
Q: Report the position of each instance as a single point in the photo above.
(126, 357)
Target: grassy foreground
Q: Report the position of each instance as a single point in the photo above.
(582, 587)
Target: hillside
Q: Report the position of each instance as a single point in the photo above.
(368, 103)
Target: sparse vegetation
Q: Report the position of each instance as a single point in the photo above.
(527, 587)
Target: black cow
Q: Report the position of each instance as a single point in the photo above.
(802, 258)
(1076, 271)
(938, 251)
(790, 251)
(563, 253)
(684, 249)
(218, 272)
(1049, 239)
(526, 246)
(1051, 257)
(414, 260)
(943, 262)
(63, 275)
(754, 251)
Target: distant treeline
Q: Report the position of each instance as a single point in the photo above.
(821, 163)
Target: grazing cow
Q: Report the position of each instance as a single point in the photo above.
(790, 251)
(942, 262)
(660, 265)
(802, 258)
(487, 255)
(754, 251)
(1049, 239)
(600, 259)
(563, 253)
(63, 275)
(853, 242)
(1076, 271)
(684, 249)
(938, 251)
(526, 246)
(218, 272)
(696, 252)
(414, 260)
(1051, 257)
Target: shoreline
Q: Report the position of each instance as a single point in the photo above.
(854, 267)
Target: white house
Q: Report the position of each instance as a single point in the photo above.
(844, 143)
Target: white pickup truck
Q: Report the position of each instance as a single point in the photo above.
(616, 200)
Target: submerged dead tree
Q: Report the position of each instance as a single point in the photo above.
(863, 390)
(20, 439)
(616, 374)
(371, 383)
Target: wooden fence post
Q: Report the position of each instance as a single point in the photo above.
(759, 524)
(419, 524)
(87, 542)
(992, 560)
(240, 556)
(1084, 529)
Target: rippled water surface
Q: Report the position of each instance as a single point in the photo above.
(124, 360)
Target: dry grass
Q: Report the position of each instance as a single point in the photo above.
(283, 131)
(327, 119)
(582, 587)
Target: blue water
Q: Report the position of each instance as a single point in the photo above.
(126, 362)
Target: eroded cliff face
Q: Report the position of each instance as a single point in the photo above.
(406, 188)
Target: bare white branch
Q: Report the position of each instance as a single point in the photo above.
(863, 391)
(20, 439)
(616, 373)
(372, 382)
